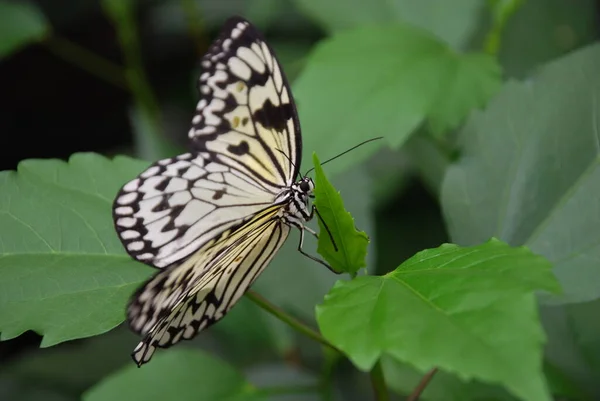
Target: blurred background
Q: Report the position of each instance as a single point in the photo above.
(119, 78)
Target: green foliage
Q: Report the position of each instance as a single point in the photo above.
(479, 297)
(20, 24)
(192, 375)
(351, 243)
(452, 22)
(419, 79)
(529, 172)
(64, 272)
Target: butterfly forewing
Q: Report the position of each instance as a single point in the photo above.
(247, 116)
(178, 205)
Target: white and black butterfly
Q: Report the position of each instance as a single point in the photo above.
(212, 219)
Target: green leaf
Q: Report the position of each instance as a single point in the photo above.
(351, 243)
(453, 22)
(470, 311)
(20, 24)
(81, 365)
(64, 272)
(573, 348)
(386, 81)
(529, 172)
(552, 28)
(185, 374)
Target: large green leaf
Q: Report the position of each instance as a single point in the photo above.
(64, 272)
(469, 311)
(385, 81)
(351, 245)
(529, 173)
(183, 374)
(21, 23)
(453, 22)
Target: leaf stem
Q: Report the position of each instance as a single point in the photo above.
(290, 320)
(122, 14)
(123, 19)
(87, 60)
(378, 383)
(414, 396)
(330, 358)
(501, 11)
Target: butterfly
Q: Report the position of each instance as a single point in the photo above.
(212, 219)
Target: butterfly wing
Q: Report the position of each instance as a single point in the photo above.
(182, 300)
(181, 204)
(247, 143)
(247, 117)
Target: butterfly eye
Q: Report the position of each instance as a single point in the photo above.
(304, 186)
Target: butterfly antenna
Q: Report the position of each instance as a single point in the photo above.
(346, 151)
(291, 162)
(327, 229)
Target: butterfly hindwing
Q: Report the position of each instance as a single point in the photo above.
(176, 304)
(247, 115)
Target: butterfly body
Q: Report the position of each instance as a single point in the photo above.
(211, 220)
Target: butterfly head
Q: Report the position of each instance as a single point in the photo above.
(306, 185)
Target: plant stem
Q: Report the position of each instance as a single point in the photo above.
(290, 320)
(87, 60)
(123, 17)
(378, 383)
(330, 358)
(414, 396)
(501, 10)
(122, 14)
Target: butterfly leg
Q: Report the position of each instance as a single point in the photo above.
(312, 212)
(302, 228)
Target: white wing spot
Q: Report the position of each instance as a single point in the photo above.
(251, 59)
(193, 173)
(239, 68)
(201, 104)
(132, 185)
(124, 210)
(217, 177)
(136, 246)
(150, 172)
(127, 199)
(126, 222)
(130, 234)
